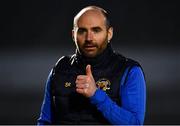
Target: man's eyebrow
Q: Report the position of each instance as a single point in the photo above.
(93, 28)
(96, 28)
(82, 28)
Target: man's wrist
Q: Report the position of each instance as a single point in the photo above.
(98, 97)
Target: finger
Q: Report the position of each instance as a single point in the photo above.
(88, 70)
(81, 86)
(81, 77)
(83, 81)
(86, 85)
(81, 91)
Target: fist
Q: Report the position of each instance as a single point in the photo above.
(85, 84)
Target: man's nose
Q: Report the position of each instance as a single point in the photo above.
(89, 36)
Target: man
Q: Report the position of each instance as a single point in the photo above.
(95, 85)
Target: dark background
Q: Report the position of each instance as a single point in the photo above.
(36, 33)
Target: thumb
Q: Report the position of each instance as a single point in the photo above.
(88, 70)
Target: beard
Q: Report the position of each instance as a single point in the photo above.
(92, 49)
(89, 44)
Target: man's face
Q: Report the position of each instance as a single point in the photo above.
(91, 34)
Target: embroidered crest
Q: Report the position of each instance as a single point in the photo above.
(103, 84)
(67, 84)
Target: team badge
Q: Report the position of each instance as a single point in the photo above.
(103, 84)
(67, 84)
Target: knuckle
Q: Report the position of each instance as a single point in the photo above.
(79, 76)
(76, 81)
(88, 79)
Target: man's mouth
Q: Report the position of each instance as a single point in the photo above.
(89, 47)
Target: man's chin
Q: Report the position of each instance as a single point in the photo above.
(90, 54)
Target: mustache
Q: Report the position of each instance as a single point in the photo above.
(89, 43)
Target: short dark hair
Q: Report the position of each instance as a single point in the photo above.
(104, 12)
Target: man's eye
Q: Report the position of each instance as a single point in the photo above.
(81, 31)
(96, 30)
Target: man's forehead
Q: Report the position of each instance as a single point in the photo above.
(88, 13)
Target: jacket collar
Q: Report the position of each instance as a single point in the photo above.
(99, 61)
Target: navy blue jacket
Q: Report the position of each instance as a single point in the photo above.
(132, 95)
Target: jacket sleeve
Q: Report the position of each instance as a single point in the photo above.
(133, 100)
(45, 115)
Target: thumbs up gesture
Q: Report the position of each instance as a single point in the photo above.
(85, 84)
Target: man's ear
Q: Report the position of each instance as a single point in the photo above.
(110, 33)
(72, 34)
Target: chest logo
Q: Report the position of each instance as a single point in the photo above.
(103, 84)
(67, 84)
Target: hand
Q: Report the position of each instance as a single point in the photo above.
(85, 84)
